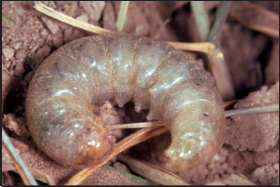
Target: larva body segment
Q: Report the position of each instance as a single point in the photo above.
(120, 68)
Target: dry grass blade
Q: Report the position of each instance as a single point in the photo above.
(230, 103)
(82, 175)
(198, 47)
(221, 74)
(256, 17)
(131, 140)
(136, 125)
(19, 145)
(7, 166)
(152, 172)
(258, 109)
(217, 64)
(69, 20)
(18, 162)
(39, 175)
(42, 176)
(237, 180)
(139, 136)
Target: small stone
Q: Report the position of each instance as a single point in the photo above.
(50, 24)
(224, 167)
(19, 70)
(83, 18)
(121, 167)
(276, 166)
(264, 88)
(21, 54)
(224, 151)
(210, 166)
(41, 42)
(44, 32)
(17, 45)
(20, 11)
(57, 40)
(93, 8)
(33, 47)
(44, 51)
(7, 64)
(222, 159)
(8, 52)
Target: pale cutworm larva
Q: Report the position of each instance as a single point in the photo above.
(122, 67)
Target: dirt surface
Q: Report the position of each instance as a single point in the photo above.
(252, 143)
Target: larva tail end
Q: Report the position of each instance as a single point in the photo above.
(197, 135)
(185, 163)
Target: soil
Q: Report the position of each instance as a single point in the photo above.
(252, 143)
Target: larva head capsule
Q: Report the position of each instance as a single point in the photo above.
(89, 143)
(93, 146)
(78, 142)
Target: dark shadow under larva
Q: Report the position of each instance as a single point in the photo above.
(121, 67)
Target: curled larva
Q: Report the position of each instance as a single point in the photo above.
(120, 67)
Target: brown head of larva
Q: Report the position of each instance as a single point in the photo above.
(92, 145)
(79, 142)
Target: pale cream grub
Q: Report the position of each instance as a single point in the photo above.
(122, 67)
